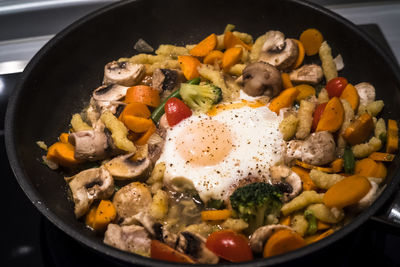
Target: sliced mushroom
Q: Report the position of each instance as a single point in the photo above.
(194, 246)
(149, 223)
(261, 78)
(89, 185)
(155, 151)
(154, 228)
(367, 200)
(165, 79)
(110, 92)
(261, 235)
(318, 149)
(169, 237)
(90, 145)
(274, 41)
(311, 73)
(295, 182)
(123, 73)
(339, 62)
(163, 126)
(124, 168)
(132, 199)
(278, 172)
(112, 106)
(131, 238)
(279, 52)
(289, 182)
(107, 96)
(366, 92)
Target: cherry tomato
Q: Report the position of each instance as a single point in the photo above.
(336, 86)
(230, 246)
(317, 115)
(161, 251)
(176, 110)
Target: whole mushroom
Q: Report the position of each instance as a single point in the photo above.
(132, 199)
(318, 149)
(261, 78)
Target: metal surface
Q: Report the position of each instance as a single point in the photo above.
(394, 211)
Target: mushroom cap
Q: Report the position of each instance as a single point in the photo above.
(132, 199)
(261, 78)
(319, 148)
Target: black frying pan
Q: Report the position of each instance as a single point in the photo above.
(59, 79)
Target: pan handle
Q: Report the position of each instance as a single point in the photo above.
(389, 215)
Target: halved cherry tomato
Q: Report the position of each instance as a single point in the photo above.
(230, 246)
(176, 110)
(317, 115)
(161, 251)
(336, 86)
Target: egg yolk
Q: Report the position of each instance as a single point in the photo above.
(204, 143)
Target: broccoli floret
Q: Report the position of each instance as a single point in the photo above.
(200, 97)
(256, 203)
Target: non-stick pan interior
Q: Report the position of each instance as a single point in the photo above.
(59, 80)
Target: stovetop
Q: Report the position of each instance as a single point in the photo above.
(31, 240)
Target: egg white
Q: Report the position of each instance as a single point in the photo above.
(257, 144)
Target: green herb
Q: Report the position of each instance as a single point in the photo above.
(312, 222)
(349, 161)
(383, 138)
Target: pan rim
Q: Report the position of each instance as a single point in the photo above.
(35, 198)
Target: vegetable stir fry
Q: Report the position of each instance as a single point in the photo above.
(226, 150)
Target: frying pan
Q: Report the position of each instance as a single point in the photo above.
(59, 79)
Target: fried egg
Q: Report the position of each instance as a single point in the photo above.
(212, 152)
